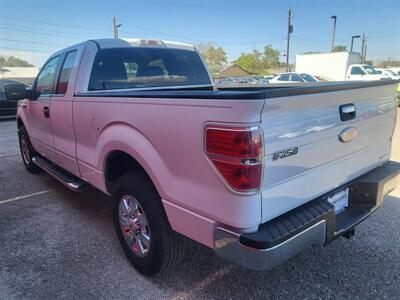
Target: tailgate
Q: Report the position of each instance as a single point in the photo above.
(309, 126)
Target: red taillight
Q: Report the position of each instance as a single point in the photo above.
(234, 142)
(236, 153)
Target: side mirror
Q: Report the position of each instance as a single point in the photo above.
(15, 92)
(32, 95)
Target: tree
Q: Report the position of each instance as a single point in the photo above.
(213, 56)
(387, 63)
(258, 63)
(339, 48)
(312, 52)
(271, 57)
(252, 62)
(12, 61)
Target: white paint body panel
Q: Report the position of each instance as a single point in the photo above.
(312, 123)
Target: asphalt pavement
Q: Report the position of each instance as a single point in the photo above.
(58, 244)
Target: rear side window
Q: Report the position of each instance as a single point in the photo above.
(65, 73)
(44, 83)
(142, 67)
(296, 78)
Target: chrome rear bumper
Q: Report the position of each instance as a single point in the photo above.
(227, 245)
(312, 224)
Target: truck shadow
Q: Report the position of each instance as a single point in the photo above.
(359, 267)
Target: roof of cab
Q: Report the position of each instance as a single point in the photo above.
(120, 43)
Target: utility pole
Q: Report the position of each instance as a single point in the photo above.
(352, 41)
(334, 31)
(362, 47)
(115, 27)
(290, 30)
(365, 52)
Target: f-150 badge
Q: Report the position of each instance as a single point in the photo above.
(285, 153)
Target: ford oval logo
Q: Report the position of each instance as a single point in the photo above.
(348, 134)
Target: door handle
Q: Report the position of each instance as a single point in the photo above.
(347, 112)
(46, 112)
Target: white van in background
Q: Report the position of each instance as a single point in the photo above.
(336, 66)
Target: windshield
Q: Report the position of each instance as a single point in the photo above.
(370, 70)
(144, 67)
(308, 78)
(391, 73)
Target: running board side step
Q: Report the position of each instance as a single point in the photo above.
(70, 181)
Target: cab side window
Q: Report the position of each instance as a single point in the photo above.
(283, 78)
(65, 73)
(356, 71)
(44, 83)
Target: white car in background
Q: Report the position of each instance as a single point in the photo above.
(395, 70)
(387, 72)
(268, 77)
(292, 77)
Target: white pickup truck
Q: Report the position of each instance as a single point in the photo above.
(257, 174)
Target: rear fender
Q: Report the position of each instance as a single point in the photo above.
(126, 138)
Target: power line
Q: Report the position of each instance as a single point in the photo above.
(383, 36)
(56, 32)
(159, 32)
(198, 40)
(29, 50)
(108, 29)
(253, 42)
(81, 37)
(31, 42)
(41, 33)
(37, 29)
(316, 40)
(54, 24)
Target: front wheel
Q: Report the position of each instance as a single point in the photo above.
(27, 151)
(142, 226)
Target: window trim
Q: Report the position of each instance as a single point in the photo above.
(59, 70)
(56, 71)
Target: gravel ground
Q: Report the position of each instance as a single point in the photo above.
(58, 244)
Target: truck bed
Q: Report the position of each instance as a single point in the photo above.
(303, 116)
(241, 92)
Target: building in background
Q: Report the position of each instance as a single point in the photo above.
(232, 70)
(23, 74)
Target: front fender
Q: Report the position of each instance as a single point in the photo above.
(21, 114)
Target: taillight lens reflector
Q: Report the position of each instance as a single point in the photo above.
(240, 177)
(236, 153)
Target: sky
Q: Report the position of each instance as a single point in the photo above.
(34, 29)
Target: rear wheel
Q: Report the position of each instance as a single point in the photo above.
(27, 151)
(142, 226)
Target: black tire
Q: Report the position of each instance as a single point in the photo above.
(166, 246)
(23, 137)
